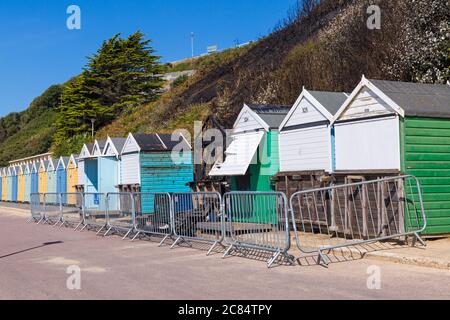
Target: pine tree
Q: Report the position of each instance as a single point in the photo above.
(123, 74)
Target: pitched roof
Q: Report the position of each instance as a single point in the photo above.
(273, 115)
(418, 99)
(65, 161)
(332, 101)
(119, 143)
(157, 142)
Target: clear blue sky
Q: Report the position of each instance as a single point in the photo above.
(38, 50)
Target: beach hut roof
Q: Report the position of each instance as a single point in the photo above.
(63, 161)
(73, 160)
(157, 142)
(406, 99)
(26, 168)
(51, 165)
(115, 145)
(272, 115)
(98, 148)
(43, 164)
(86, 151)
(327, 103)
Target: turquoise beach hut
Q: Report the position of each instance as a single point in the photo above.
(51, 176)
(153, 163)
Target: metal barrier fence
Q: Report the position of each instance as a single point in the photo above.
(198, 216)
(357, 213)
(72, 209)
(94, 211)
(52, 202)
(258, 220)
(120, 213)
(153, 215)
(37, 207)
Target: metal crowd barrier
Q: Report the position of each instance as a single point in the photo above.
(52, 208)
(357, 213)
(94, 211)
(258, 220)
(37, 206)
(153, 215)
(120, 213)
(72, 209)
(197, 216)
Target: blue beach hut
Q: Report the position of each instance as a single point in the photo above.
(34, 178)
(27, 183)
(61, 175)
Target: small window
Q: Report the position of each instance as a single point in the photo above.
(305, 110)
(367, 110)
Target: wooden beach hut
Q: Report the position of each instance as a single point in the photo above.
(4, 184)
(72, 175)
(43, 178)
(85, 153)
(390, 128)
(1, 184)
(27, 183)
(51, 176)
(14, 182)
(307, 141)
(152, 163)
(9, 184)
(252, 157)
(34, 178)
(61, 175)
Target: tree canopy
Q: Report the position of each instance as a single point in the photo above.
(123, 74)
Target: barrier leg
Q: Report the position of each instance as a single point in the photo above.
(213, 247)
(164, 240)
(107, 232)
(176, 242)
(78, 225)
(229, 250)
(127, 234)
(273, 259)
(84, 227)
(101, 229)
(322, 259)
(136, 236)
(418, 238)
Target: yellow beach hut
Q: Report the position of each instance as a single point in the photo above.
(4, 184)
(43, 179)
(72, 179)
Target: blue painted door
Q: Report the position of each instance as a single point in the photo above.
(15, 180)
(61, 183)
(34, 183)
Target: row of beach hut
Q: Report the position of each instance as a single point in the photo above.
(381, 129)
(140, 163)
(46, 176)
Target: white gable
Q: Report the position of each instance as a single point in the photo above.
(110, 149)
(42, 166)
(131, 145)
(27, 169)
(306, 110)
(34, 167)
(96, 151)
(248, 120)
(366, 104)
(61, 164)
(85, 152)
(73, 161)
(367, 101)
(51, 166)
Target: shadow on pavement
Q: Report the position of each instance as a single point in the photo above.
(46, 244)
